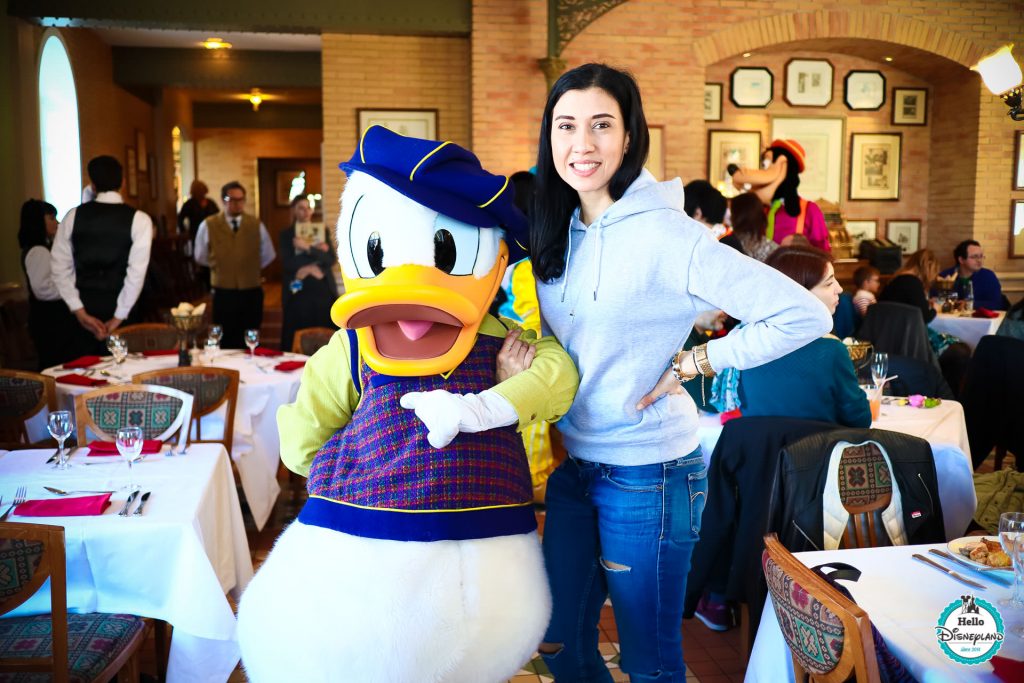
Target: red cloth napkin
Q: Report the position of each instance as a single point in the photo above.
(1009, 670)
(263, 351)
(110, 448)
(83, 362)
(730, 415)
(160, 352)
(64, 507)
(984, 313)
(289, 365)
(81, 380)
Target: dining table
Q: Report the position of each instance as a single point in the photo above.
(966, 328)
(904, 598)
(943, 427)
(177, 561)
(261, 391)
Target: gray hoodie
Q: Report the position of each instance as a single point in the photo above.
(634, 282)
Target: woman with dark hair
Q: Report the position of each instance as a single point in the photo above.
(622, 274)
(195, 209)
(911, 283)
(49, 319)
(817, 381)
(749, 224)
(308, 288)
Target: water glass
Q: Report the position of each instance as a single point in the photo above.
(215, 334)
(879, 368)
(252, 340)
(60, 426)
(129, 445)
(118, 348)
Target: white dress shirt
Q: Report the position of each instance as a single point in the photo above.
(202, 255)
(37, 267)
(62, 262)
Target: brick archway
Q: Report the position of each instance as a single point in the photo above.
(870, 25)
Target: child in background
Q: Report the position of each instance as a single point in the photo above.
(867, 280)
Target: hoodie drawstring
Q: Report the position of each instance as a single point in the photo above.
(597, 258)
(568, 252)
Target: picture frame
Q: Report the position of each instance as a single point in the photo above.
(740, 147)
(656, 152)
(417, 123)
(140, 150)
(1018, 162)
(751, 87)
(909, 106)
(712, 101)
(283, 180)
(904, 232)
(822, 140)
(864, 90)
(131, 171)
(875, 166)
(1016, 228)
(153, 177)
(861, 230)
(808, 82)
(314, 233)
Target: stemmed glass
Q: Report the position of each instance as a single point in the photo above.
(879, 368)
(129, 445)
(252, 340)
(118, 348)
(1011, 536)
(60, 427)
(213, 337)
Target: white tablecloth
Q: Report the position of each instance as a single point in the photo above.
(903, 598)
(943, 427)
(968, 330)
(256, 448)
(175, 562)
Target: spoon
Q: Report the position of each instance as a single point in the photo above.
(61, 492)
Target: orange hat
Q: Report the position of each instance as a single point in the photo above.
(794, 148)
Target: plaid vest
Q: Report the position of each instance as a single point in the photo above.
(378, 477)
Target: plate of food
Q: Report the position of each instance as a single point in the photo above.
(985, 552)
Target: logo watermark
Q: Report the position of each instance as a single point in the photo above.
(970, 630)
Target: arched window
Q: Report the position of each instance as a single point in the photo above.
(58, 128)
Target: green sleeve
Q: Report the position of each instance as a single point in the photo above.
(327, 396)
(852, 405)
(544, 392)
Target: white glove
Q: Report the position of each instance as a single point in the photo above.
(446, 414)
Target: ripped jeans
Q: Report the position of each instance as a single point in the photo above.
(627, 533)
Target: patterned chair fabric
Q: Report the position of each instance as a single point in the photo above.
(94, 641)
(206, 388)
(154, 412)
(150, 338)
(864, 476)
(19, 560)
(309, 341)
(814, 633)
(18, 396)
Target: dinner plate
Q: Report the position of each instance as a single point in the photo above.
(956, 544)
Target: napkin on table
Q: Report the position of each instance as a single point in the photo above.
(110, 447)
(81, 380)
(83, 362)
(64, 507)
(984, 313)
(1007, 669)
(264, 351)
(289, 365)
(160, 352)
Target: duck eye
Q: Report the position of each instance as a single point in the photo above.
(375, 253)
(445, 253)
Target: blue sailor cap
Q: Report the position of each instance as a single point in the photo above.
(444, 177)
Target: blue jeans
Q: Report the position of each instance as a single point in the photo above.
(627, 532)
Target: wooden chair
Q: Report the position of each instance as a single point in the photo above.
(148, 337)
(159, 411)
(865, 489)
(22, 395)
(99, 646)
(307, 341)
(210, 389)
(828, 635)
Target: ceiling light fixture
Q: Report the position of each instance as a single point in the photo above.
(888, 59)
(1002, 76)
(747, 54)
(216, 44)
(255, 98)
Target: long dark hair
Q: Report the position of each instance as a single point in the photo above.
(555, 200)
(804, 265)
(748, 215)
(32, 231)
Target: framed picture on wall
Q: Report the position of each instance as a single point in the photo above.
(864, 90)
(712, 101)
(808, 82)
(656, 154)
(861, 230)
(740, 147)
(906, 233)
(1017, 228)
(1018, 162)
(875, 166)
(822, 140)
(751, 86)
(140, 150)
(909, 106)
(417, 123)
(131, 171)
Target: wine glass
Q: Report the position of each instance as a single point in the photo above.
(215, 334)
(879, 368)
(118, 348)
(252, 340)
(1011, 536)
(60, 427)
(129, 445)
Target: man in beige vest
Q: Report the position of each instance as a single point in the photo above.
(236, 246)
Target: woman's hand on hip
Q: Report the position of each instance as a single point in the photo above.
(668, 384)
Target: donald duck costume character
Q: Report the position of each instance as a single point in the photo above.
(416, 556)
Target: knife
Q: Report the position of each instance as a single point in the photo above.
(142, 504)
(962, 579)
(53, 458)
(128, 503)
(987, 573)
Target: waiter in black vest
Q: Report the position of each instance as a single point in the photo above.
(99, 258)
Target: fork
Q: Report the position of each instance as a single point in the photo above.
(19, 498)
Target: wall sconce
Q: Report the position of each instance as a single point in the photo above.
(255, 98)
(216, 44)
(1002, 76)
